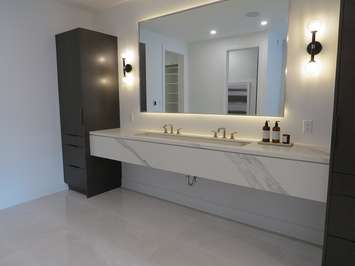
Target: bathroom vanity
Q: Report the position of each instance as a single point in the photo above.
(298, 171)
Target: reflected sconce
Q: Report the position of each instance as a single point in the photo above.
(127, 68)
(314, 48)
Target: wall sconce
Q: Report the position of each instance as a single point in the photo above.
(127, 68)
(314, 48)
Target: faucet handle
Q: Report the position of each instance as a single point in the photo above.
(178, 131)
(165, 127)
(224, 131)
(215, 134)
(233, 134)
(171, 128)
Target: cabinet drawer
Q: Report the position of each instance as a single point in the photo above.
(73, 155)
(342, 217)
(343, 184)
(339, 252)
(73, 140)
(75, 177)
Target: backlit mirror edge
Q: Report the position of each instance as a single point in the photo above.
(283, 113)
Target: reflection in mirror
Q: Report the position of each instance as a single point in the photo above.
(226, 58)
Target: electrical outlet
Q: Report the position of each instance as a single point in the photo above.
(307, 126)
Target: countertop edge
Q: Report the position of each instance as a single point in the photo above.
(131, 136)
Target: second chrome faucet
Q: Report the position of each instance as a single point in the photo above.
(171, 129)
(224, 133)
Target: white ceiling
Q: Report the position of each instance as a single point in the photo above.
(227, 18)
(94, 4)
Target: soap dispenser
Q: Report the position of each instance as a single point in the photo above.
(266, 132)
(276, 133)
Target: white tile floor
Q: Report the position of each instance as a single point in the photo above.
(131, 229)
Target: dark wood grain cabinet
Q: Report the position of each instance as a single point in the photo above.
(89, 100)
(339, 245)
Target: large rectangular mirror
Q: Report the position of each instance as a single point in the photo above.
(226, 58)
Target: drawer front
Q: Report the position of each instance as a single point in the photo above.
(339, 252)
(75, 177)
(342, 217)
(73, 155)
(73, 140)
(343, 184)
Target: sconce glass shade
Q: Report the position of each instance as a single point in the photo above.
(128, 80)
(313, 68)
(315, 26)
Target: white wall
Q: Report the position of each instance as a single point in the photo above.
(307, 98)
(30, 145)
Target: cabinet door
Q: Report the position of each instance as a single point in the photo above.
(344, 147)
(339, 252)
(99, 78)
(69, 83)
(341, 220)
(343, 185)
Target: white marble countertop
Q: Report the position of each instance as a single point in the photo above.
(305, 153)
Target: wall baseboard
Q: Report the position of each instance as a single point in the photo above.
(292, 217)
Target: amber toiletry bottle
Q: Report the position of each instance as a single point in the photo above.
(266, 132)
(276, 133)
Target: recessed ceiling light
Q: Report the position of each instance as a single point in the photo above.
(213, 32)
(264, 23)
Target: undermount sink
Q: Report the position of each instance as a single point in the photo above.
(193, 138)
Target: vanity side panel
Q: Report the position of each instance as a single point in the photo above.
(113, 149)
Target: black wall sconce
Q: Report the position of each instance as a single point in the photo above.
(314, 48)
(127, 68)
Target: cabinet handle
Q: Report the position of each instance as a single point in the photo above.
(72, 145)
(72, 135)
(74, 166)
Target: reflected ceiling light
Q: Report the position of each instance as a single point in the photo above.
(264, 23)
(213, 32)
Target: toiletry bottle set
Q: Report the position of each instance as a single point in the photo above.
(276, 134)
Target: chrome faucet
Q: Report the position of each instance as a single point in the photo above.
(165, 127)
(233, 135)
(224, 130)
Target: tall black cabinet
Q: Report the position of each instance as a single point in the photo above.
(339, 249)
(89, 100)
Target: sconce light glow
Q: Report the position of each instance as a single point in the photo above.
(313, 68)
(128, 80)
(264, 23)
(101, 59)
(104, 81)
(213, 32)
(128, 55)
(315, 26)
